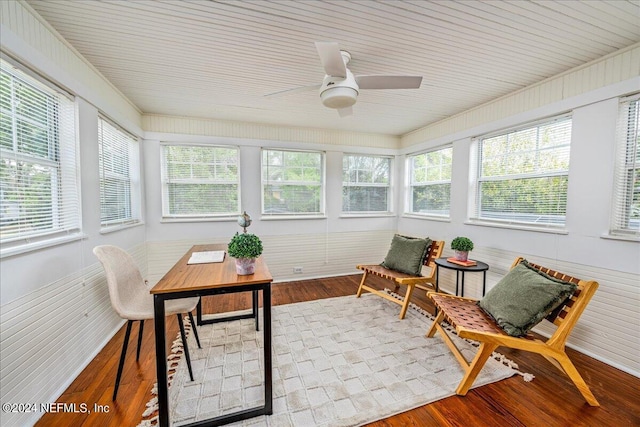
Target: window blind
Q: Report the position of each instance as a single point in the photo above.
(430, 182)
(39, 195)
(365, 183)
(200, 181)
(626, 191)
(523, 174)
(118, 173)
(292, 182)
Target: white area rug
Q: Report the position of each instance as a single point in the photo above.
(341, 361)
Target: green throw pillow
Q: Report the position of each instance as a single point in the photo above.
(406, 254)
(523, 298)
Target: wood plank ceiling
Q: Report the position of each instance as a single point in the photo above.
(217, 59)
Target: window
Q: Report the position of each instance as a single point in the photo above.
(523, 175)
(200, 181)
(626, 192)
(119, 176)
(292, 182)
(366, 183)
(39, 196)
(430, 182)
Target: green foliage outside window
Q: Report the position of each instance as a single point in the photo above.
(29, 165)
(431, 182)
(201, 180)
(292, 182)
(365, 183)
(524, 174)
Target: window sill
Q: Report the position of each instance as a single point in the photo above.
(290, 217)
(427, 217)
(170, 219)
(511, 226)
(42, 244)
(113, 229)
(621, 237)
(367, 215)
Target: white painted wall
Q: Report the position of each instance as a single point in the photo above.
(55, 314)
(307, 243)
(589, 198)
(584, 251)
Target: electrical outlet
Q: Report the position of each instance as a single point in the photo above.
(297, 270)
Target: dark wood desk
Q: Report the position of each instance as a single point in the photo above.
(184, 281)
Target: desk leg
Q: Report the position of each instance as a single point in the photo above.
(268, 363)
(161, 361)
(462, 285)
(457, 280)
(255, 308)
(199, 312)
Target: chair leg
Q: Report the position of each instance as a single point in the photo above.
(483, 354)
(184, 345)
(575, 376)
(360, 289)
(139, 339)
(122, 356)
(433, 329)
(407, 298)
(194, 329)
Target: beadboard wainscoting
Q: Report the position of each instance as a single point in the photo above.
(50, 335)
(610, 335)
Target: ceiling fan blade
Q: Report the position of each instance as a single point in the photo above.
(331, 59)
(345, 112)
(389, 82)
(293, 90)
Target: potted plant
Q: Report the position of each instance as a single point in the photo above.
(245, 248)
(462, 246)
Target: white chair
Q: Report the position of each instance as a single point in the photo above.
(131, 299)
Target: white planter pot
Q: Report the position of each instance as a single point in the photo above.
(462, 255)
(245, 266)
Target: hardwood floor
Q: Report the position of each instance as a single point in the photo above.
(549, 400)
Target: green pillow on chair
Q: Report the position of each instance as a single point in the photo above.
(524, 297)
(406, 254)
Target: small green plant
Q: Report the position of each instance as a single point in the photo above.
(462, 244)
(245, 245)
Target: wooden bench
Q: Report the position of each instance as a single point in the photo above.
(423, 282)
(471, 322)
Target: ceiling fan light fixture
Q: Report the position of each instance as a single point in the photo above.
(339, 97)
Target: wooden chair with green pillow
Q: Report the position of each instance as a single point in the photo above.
(505, 326)
(402, 266)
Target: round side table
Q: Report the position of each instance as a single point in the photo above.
(460, 271)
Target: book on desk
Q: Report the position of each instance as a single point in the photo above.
(206, 257)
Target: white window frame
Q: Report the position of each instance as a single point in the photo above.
(64, 213)
(441, 169)
(534, 224)
(347, 183)
(194, 180)
(128, 201)
(627, 170)
(321, 184)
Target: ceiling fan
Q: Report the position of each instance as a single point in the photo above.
(340, 87)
